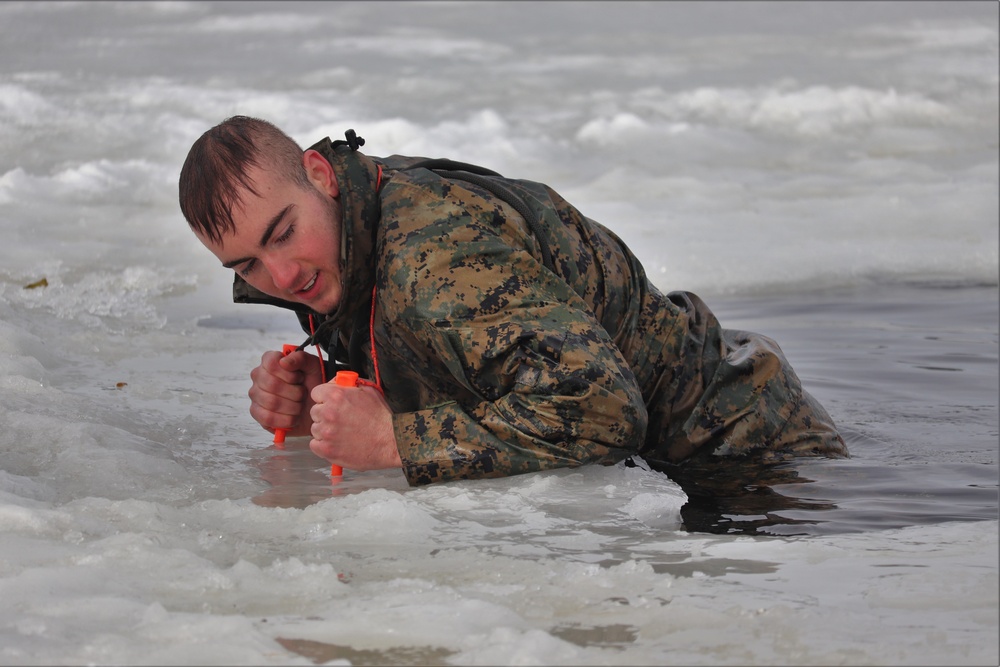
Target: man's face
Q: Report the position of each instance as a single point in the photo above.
(287, 241)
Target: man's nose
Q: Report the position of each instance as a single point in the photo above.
(284, 272)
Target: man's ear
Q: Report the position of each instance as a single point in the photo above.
(320, 172)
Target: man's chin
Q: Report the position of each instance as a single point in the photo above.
(324, 305)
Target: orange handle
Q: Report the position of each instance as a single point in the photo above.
(279, 433)
(343, 379)
(346, 379)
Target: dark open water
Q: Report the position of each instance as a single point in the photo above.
(910, 375)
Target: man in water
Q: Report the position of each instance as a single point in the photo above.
(501, 330)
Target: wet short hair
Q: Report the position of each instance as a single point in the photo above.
(215, 172)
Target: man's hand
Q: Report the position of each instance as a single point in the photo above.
(352, 428)
(280, 393)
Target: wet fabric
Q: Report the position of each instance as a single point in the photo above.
(495, 365)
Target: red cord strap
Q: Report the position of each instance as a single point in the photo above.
(371, 320)
(371, 333)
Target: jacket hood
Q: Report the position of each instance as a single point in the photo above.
(357, 178)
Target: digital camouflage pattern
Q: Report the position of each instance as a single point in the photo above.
(494, 365)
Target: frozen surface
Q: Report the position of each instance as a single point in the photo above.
(824, 173)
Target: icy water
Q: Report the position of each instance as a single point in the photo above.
(823, 173)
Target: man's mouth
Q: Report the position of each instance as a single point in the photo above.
(309, 285)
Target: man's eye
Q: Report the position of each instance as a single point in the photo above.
(285, 236)
(248, 268)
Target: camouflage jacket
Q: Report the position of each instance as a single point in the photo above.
(494, 364)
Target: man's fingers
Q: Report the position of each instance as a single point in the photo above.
(272, 420)
(280, 387)
(287, 401)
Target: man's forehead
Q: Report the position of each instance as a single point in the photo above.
(254, 180)
(259, 186)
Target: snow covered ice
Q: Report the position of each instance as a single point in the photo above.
(823, 173)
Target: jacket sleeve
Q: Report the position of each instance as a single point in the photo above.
(515, 373)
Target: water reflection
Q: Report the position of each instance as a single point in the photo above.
(298, 478)
(822, 496)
